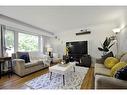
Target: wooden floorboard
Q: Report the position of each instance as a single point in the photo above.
(88, 82)
(16, 82)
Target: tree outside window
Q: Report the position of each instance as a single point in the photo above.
(27, 42)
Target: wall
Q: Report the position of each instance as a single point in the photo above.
(123, 40)
(97, 36)
(122, 35)
(46, 43)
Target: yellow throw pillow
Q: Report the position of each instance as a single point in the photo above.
(110, 62)
(117, 67)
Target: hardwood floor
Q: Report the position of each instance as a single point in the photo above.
(88, 82)
(16, 82)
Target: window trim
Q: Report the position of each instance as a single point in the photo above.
(38, 49)
(16, 38)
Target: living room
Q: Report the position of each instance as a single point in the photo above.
(42, 33)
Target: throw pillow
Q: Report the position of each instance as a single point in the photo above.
(110, 62)
(110, 54)
(121, 74)
(24, 56)
(117, 67)
(124, 58)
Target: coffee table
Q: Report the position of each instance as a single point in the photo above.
(62, 69)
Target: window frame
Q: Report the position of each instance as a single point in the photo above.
(16, 38)
(5, 42)
(31, 35)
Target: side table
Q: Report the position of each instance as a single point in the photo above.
(2, 61)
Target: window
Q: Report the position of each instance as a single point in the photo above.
(28, 42)
(9, 42)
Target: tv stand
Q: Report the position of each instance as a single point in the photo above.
(85, 61)
(75, 57)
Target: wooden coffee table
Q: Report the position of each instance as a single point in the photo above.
(62, 69)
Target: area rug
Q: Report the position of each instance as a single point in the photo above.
(73, 80)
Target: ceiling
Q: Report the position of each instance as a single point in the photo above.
(63, 18)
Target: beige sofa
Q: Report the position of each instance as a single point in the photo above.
(37, 62)
(103, 80)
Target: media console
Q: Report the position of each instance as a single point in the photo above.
(76, 50)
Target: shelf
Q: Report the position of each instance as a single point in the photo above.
(82, 33)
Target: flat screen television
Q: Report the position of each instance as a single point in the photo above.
(78, 47)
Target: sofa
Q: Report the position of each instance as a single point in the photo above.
(56, 58)
(103, 79)
(37, 62)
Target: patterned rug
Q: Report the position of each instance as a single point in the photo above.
(73, 80)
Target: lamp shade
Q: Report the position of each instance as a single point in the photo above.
(49, 49)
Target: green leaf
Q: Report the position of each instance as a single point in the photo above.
(106, 49)
(105, 42)
(111, 45)
(101, 49)
(106, 45)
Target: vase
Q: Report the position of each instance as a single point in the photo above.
(104, 53)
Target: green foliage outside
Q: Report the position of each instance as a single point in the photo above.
(9, 39)
(27, 42)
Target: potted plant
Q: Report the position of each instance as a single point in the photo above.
(67, 50)
(106, 45)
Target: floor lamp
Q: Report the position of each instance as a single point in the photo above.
(116, 31)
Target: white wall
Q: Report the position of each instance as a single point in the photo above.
(97, 36)
(123, 40)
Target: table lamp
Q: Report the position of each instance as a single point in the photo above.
(49, 50)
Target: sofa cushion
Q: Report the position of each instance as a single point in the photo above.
(33, 63)
(102, 71)
(117, 67)
(110, 62)
(124, 58)
(121, 74)
(119, 56)
(97, 65)
(35, 55)
(24, 56)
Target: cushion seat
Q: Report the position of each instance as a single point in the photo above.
(98, 65)
(102, 71)
(33, 63)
